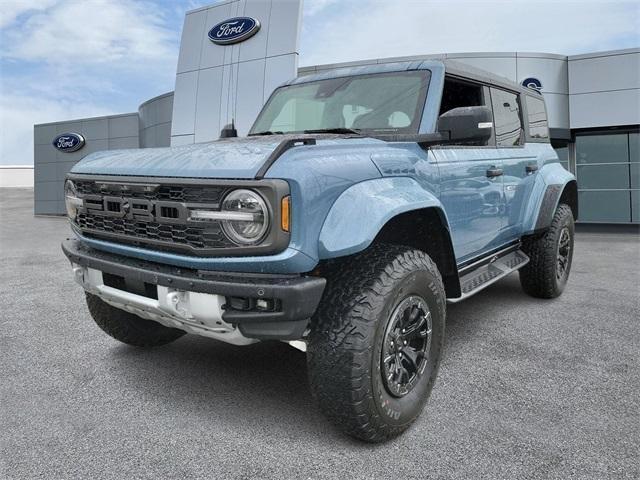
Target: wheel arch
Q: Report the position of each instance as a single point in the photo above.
(569, 196)
(554, 186)
(390, 210)
(426, 229)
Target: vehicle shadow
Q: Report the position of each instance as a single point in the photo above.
(265, 384)
(501, 295)
(253, 387)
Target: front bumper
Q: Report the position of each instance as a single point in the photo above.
(200, 301)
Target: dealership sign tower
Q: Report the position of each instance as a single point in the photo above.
(232, 56)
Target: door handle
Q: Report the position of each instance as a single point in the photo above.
(494, 172)
(533, 167)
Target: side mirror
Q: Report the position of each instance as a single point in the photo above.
(467, 124)
(228, 131)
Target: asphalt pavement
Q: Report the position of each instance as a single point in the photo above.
(527, 389)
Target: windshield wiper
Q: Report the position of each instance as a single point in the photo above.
(266, 132)
(334, 130)
(315, 130)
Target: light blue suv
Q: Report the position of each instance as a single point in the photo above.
(361, 202)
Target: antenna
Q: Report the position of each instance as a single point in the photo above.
(229, 130)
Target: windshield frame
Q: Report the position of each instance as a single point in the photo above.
(412, 128)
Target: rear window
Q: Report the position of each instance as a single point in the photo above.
(538, 126)
(506, 117)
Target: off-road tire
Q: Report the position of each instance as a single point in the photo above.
(129, 328)
(347, 333)
(539, 278)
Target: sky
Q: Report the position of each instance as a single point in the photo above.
(66, 59)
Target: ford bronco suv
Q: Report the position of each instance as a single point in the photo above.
(362, 201)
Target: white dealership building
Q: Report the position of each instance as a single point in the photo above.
(593, 102)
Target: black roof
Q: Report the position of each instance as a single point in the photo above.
(451, 67)
(460, 69)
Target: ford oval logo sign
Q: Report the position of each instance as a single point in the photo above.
(532, 83)
(69, 142)
(234, 30)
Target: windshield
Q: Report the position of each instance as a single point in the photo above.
(382, 102)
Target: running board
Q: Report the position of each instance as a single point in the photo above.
(485, 275)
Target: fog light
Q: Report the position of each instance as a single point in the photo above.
(263, 304)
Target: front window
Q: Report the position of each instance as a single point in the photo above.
(383, 103)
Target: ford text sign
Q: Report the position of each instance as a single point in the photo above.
(234, 30)
(69, 142)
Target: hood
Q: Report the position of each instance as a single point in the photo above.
(229, 158)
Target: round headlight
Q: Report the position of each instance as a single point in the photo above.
(71, 200)
(248, 219)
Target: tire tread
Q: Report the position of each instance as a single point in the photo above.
(538, 277)
(342, 335)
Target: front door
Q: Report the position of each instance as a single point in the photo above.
(471, 191)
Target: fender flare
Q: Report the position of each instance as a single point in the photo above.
(361, 211)
(554, 182)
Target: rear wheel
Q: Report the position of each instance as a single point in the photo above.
(129, 328)
(547, 273)
(376, 341)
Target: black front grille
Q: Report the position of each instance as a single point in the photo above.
(174, 193)
(155, 213)
(137, 231)
(151, 214)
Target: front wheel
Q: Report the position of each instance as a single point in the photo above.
(547, 273)
(376, 341)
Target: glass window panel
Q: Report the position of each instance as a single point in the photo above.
(399, 120)
(603, 176)
(506, 117)
(390, 102)
(634, 147)
(604, 206)
(563, 156)
(635, 175)
(563, 153)
(635, 206)
(537, 117)
(301, 110)
(602, 148)
(351, 112)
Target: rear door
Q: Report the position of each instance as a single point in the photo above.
(517, 162)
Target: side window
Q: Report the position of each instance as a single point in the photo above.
(457, 93)
(506, 118)
(460, 94)
(537, 117)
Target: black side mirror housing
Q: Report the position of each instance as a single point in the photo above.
(467, 124)
(229, 131)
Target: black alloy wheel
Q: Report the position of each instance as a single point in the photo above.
(407, 341)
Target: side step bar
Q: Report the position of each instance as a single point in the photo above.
(483, 276)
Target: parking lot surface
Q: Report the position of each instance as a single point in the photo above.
(527, 388)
